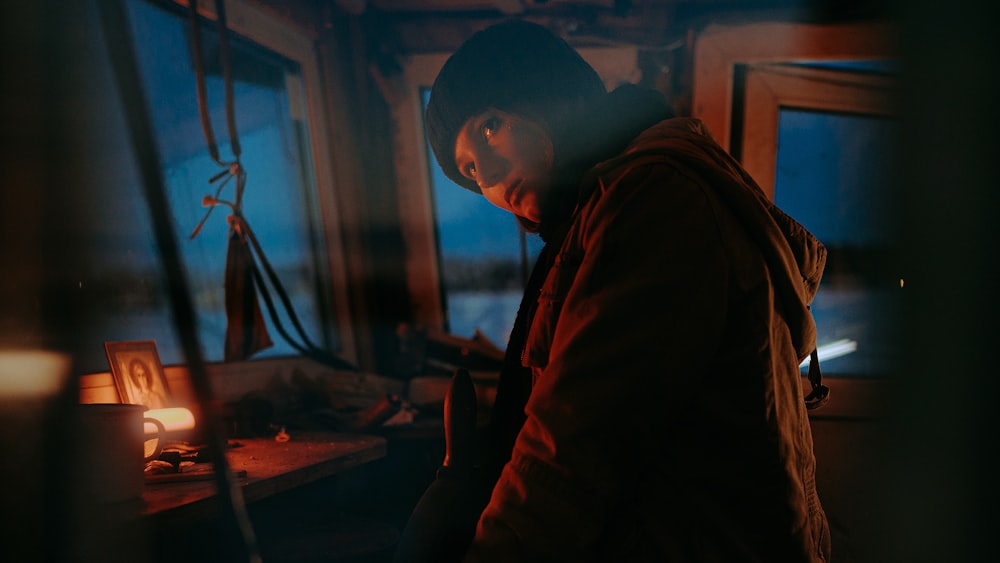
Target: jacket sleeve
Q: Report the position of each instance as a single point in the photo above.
(638, 320)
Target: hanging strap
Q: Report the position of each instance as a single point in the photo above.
(232, 169)
(221, 26)
(199, 70)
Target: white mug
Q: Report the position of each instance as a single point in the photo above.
(110, 447)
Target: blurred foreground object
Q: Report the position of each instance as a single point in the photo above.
(30, 386)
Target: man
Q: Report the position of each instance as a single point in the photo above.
(651, 406)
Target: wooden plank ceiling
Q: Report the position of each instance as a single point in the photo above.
(441, 25)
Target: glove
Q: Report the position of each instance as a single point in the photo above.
(443, 523)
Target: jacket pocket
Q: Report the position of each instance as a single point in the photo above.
(550, 302)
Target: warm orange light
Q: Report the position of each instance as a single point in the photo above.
(26, 374)
(174, 419)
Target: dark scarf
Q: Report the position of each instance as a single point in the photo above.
(597, 134)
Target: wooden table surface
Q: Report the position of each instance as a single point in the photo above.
(270, 467)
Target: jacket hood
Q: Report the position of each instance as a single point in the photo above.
(596, 132)
(794, 256)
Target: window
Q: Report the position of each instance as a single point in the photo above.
(485, 258)
(274, 80)
(831, 176)
(821, 139)
(809, 111)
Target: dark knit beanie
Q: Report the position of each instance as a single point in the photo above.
(515, 66)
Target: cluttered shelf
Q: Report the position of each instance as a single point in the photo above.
(361, 448)
(263, 467)
(335, 420)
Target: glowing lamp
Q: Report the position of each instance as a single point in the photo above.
(174, 419)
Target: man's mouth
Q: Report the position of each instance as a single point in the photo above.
(513, 193)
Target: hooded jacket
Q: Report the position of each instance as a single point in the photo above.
(666, 420)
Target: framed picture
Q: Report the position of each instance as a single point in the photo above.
(138, 374)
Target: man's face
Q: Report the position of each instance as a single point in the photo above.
(510, 159)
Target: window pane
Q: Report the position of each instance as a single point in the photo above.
(277, 201)
(833, 177)
(480, 250)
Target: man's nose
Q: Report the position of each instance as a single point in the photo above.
(491, 169)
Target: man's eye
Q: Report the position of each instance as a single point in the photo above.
(490, 127)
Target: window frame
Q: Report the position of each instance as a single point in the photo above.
(721, 48)
(769, 88)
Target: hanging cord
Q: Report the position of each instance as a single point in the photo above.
(235, 169)
(820, 393)
(127, 78)
(199, 69)
(231, 169)
(221, 27)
